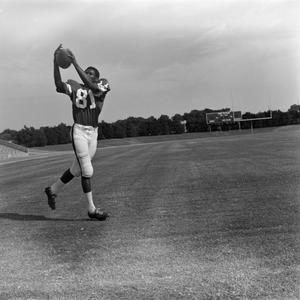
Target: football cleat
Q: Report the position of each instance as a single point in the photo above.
(98, 215)
(51, 197)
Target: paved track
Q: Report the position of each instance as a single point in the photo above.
(211, 218)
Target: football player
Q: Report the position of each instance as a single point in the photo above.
(87, 101)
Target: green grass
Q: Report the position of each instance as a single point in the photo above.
(201, 218)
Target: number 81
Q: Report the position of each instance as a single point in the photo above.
(81, 99)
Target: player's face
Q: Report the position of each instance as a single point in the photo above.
(91, 74)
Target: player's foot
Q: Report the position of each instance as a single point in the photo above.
(98, 215)
(51, 197)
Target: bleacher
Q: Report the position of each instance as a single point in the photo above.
(10, 150)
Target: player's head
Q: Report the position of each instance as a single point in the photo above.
(93, 73)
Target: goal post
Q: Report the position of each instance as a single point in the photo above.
(251, 120)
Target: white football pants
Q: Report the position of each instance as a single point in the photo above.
(84, 140)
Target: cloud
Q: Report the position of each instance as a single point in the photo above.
(154, 53)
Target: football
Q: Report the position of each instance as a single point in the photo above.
(62, 58)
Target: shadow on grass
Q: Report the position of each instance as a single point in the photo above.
(18, 217)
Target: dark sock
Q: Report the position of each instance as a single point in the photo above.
(67, 176)
(86, 184)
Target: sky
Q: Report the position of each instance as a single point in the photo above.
(161, 57)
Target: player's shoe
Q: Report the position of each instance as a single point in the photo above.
(98, 215)
(51, 197)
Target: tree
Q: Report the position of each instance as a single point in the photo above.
(118, 130)
(9, 135)
(164, 124)
(63, 133)
(195, 121)
(152, 126)
(106, 130)
(176, 125)
(142, 127)
(39, 138)
(51, 135)
(294, 108)
(294, 114)
(131, 127)
(30, 137)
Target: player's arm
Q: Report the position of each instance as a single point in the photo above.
(104, 88)
(61, 87)
(100, 101)
(86, 80)
(57, 77)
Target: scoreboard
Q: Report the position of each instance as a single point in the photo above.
(223, 117)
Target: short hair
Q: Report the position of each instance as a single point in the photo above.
(95, 70)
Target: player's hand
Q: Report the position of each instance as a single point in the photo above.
(56, 50)
(72, 56)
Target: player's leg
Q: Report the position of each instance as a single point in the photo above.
(66, 177)
(86, 178)
(53, 190)
(88, 170)
(93, 212)
(81, 145)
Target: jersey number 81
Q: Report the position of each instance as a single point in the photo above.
(81, 99)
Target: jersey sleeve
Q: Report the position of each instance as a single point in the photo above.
(72, 86)
(69, 88)
(65, 88)
(103, 85)
(104, 88)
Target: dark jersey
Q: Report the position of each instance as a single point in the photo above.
(86, 105)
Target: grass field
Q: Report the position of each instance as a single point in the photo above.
(192, 218)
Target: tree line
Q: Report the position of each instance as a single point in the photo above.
(194, 121)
